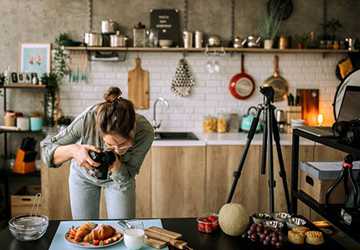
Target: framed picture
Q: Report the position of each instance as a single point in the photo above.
(21, 77)
(35, 57)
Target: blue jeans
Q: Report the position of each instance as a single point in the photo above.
(85, 196)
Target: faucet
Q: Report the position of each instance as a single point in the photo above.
(156, 124)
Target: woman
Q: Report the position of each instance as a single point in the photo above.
(110, 125)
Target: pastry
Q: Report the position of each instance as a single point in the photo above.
(83, 230)
(296, 237)
(300, 229)
(101, 232)
(314, 237)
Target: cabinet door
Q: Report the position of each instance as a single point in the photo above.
(143, 189)
(222, 161)
(178, 181)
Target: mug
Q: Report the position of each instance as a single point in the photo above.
(134, 238)
(36, 123)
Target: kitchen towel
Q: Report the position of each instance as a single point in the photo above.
(59, 242)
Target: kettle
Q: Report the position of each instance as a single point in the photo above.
(253, 41)
(247, 120)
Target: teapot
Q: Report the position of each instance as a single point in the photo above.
(253, 41)
(247, 120)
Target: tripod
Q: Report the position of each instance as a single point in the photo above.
(271, 129)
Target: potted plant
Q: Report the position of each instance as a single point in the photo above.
(302, 41)
(271, 26)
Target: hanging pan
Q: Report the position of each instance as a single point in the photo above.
(242, 85)
(277, 82)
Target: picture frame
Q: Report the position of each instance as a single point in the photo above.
(35, 57)
(21, 77)
(27, 78)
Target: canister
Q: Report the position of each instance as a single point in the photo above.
(23, 123)
(139, 35)
(199, 39)
(188, 39)
(36, 123)
(10, 119)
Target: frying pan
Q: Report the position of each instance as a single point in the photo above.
(278, 83)
(242, 85)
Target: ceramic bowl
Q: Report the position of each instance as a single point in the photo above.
(282, 216)
(274, 224)
(165, 43)
(261, 217)
(295, 222)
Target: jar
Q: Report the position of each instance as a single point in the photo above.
(10, 119)
(336, 45)
(283, 42)
(139, 35)
(209, 124)
(222, 123)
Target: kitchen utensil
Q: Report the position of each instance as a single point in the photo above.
(164, 43)
(93, 39)
(188, 39)
(253, 41)
(118, 40)
(138, 86)
(199, 39)
(242, 85)
(108, 26)
(238, 42)
(183, 81)
(214, 41)
(247, 119)
(278, 83)
(23, 123)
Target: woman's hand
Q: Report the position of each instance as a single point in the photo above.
(81, 155)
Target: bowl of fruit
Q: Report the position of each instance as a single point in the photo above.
(258, 232)
(208, 224)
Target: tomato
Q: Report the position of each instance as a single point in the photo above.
(95, 242)
(212, 218)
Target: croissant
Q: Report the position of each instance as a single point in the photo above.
(102, 232)
(84, 230)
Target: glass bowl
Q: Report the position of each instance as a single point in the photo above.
(208, 224)
(28, 227)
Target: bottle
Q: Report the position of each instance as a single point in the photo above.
(222, 123)
(139, 35)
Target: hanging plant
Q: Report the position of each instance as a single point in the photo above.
(60, 67)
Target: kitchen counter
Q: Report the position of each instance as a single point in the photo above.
(224, 139)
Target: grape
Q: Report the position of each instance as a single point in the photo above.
(278, 244)
(253, 237)
(249, 232)
(253, 227)
(274, 238)
(259, 229)
(266, 231)
(266, 242)
(262, 236)
(267, 238)
(281, 238)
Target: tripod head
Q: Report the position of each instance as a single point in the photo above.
(268, 92)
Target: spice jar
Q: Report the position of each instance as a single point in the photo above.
(209, 124)
(139, 35)
(222, 123)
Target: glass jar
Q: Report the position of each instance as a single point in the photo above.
(222, 123)
(139, 35)
(209, 124)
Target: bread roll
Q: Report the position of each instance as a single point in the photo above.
(314, 237)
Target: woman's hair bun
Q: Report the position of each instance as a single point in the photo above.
(112, 94)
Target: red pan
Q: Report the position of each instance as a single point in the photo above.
(242, 85)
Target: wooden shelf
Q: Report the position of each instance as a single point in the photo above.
(23, 86)
(212, 49)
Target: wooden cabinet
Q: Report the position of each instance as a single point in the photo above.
(144, 189)
(178, 181)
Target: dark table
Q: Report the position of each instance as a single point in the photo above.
(185, 226)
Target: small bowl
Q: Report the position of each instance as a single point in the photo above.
(274, 224)
(165, 43)
(28, 228)
(295, 222)
(282, 216)
(208, 224)
(260, 217)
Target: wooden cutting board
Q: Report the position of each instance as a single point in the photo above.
(138, 86)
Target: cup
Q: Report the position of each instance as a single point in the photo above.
(23, 123)
(134, 238)
(36, 123)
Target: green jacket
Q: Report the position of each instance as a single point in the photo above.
(83, 131)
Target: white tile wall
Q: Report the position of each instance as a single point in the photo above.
(210, 95)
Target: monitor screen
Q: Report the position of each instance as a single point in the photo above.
(350, 107)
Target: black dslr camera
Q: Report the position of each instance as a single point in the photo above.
(105, 158)
(348, 131)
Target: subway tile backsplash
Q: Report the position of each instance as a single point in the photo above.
(210, 94)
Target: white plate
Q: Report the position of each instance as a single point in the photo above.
(90, 246)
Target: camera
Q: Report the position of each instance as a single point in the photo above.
(268, 92)
(105, 158)
(348, 131)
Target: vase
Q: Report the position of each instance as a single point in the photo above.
(268, 44)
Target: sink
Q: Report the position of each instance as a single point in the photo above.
(175, 136)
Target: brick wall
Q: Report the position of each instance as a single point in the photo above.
(210, 95)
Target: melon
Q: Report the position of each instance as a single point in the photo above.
(233, 219)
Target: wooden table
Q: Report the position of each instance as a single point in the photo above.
(185, 226)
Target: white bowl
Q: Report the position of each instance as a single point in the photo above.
(165, 43)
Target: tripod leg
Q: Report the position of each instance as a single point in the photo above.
(282, 171)
(264, 146)
(270, 157)
(237, 173)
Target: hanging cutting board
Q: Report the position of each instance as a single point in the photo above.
(138, 86)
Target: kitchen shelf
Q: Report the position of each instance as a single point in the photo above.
(23, 86)
(212, 49)
(21, 131)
